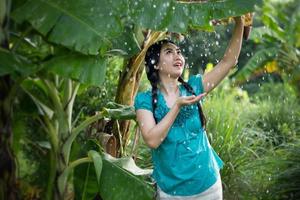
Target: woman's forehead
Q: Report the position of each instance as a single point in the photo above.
(169, 46)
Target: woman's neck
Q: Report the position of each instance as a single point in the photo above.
(168, 85)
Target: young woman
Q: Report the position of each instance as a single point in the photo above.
(173, 125)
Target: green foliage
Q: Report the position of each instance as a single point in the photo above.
(85, 69)
(31, 152)
(178, 17)
(287, 181)
(143, 157)
(230, 132)
(260, 58)
(82, 28)
(74, 25)
(116, 176)
(15, 65)
(278, 40)
(277, 173)
(278, 114)
(93, 98)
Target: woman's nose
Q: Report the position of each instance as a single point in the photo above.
(177, 55)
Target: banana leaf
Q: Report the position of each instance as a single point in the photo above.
(86, 69)
(256, 62)
(90, 26)
(115, 181)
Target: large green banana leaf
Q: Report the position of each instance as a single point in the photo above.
(120, 179)
(81, 25)
(86, 69)
(91, 26)
(15, 65)
(83, 68)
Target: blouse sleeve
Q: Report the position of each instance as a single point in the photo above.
(196, 82)
(143, 100)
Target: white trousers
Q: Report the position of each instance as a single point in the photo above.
(215, 192)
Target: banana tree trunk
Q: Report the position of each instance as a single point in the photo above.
(128, 86)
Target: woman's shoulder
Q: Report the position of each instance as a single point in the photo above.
(196, 82)
(195, 78)
(144, 94)
(143, 100)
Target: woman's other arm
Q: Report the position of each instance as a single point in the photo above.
(154, 134)
(230, 58)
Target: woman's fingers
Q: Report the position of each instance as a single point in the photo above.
(193, 99)
(199, 97)
(202, 95)
(188, 98)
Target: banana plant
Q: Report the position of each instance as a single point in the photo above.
(54, 98)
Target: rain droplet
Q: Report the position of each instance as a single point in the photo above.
(181, 25)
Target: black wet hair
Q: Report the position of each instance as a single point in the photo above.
(151, 62)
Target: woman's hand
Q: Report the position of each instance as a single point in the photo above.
(188, 100)
(238, 20)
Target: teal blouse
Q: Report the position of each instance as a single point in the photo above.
(184, 164)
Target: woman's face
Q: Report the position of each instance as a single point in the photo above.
(171, 61)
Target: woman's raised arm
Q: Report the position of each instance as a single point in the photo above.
(230, 58)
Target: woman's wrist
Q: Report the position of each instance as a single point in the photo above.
(177, 104)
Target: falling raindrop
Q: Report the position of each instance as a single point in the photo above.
(181, 25)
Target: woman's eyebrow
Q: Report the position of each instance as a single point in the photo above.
(169, 48)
